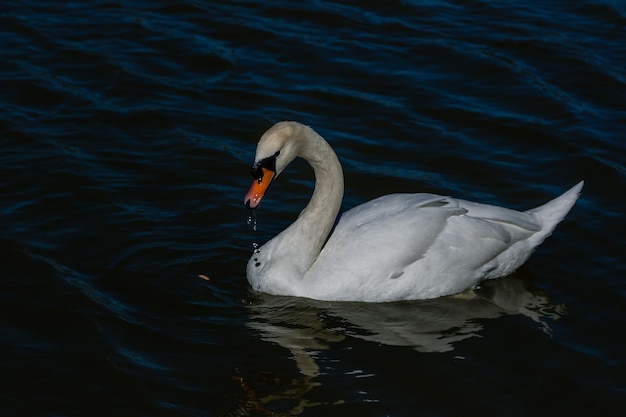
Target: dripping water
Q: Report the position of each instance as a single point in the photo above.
(252, 223)
(252, 220)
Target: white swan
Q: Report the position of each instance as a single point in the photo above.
(395, 247)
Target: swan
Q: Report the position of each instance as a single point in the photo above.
(395, 247)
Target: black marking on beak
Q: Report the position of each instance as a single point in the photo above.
(267, 163)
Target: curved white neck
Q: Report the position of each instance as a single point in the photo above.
(303, 240)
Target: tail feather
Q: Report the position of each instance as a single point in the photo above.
(551, 213)
(547, 217)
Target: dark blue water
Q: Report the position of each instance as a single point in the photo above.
(127, 131)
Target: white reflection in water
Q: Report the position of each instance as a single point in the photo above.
(306, 327)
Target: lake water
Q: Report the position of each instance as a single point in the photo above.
(128, 129)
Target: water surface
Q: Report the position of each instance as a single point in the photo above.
(128, 129)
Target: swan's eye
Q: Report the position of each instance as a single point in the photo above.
(257, 172)
(267, 163)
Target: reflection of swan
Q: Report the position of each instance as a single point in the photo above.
(308, 327)
(396, 247)
(426, 325)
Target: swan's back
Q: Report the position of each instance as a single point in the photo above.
(407, 246)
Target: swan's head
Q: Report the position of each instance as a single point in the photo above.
(277, 148)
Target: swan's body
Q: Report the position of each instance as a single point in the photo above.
(396, 247)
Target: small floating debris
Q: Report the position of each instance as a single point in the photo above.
(204, 277)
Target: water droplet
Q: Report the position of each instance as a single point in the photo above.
(255, 246)
(252, 220)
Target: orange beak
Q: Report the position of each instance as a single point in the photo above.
(257, 190)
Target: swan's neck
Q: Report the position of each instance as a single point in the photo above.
(305, 238)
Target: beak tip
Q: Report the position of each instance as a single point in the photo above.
(257, 190)
(248, 205)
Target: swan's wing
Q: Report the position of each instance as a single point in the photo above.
(376, 247)
(384, 235)
(499, 214)
(390, 205)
